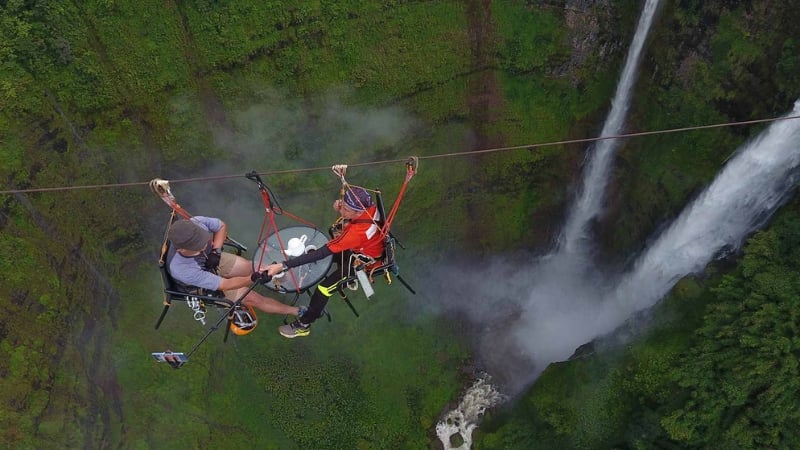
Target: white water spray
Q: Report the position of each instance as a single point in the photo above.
(590, 198)
(551, 276)
(744, 195)
(569, 304)
(459, 423)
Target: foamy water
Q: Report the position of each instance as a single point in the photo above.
(458, 424)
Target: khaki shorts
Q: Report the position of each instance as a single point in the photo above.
(226, 262)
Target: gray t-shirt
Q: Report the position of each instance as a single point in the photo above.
(189, 270)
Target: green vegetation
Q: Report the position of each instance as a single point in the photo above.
(719, 370)
(724, 75)
(103, 91)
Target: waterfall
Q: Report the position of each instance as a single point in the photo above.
(568, 308)
(568, 302)
(561, 301)
(751, 186)
(590, 197)
(564, 275)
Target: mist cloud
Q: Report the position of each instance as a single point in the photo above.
(527, 315)
(275, 132)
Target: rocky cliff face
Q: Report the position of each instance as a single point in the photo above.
(588, 23)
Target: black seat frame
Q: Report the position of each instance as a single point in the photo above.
(173, 291)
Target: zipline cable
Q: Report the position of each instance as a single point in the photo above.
(393, 161)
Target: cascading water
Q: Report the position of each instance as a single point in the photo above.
(564, 303)
(570, 258)
(461, 421)
(753, 184)
(590, 198)
(564, 311)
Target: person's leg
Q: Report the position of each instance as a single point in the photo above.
(322, 293)
(327, 288)
(324, 290)
(267, 304)
(231, 265)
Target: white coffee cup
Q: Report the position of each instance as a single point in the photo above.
(296, 246)
(310, 248)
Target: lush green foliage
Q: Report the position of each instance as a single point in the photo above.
(722, 372)
(728, 73)
(103, 91)
(741, 374)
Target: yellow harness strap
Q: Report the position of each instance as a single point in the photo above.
(326, 291)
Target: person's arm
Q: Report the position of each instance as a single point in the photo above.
(218, 229)
(218, 240)
(228, 284)
(309, 257)
(316, 255)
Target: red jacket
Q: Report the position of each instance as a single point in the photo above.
(361, 235)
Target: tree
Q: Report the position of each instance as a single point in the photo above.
(741, 375)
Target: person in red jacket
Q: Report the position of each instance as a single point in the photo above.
(356, 231)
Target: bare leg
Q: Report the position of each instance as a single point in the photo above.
(268, 305)
(241, 267)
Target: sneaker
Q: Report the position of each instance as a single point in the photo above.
(294, 330)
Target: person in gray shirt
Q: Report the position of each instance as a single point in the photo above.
(196, 261)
